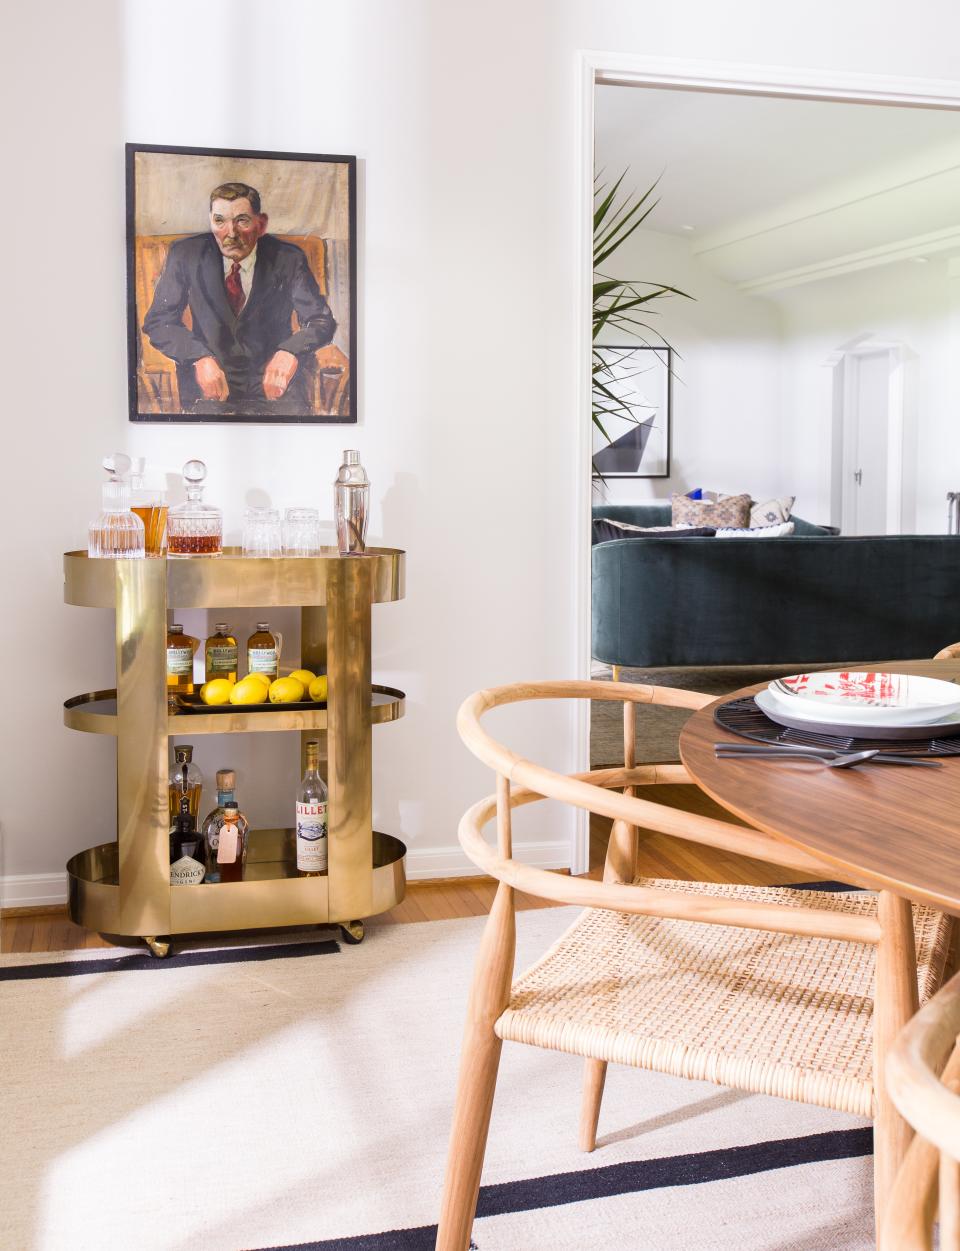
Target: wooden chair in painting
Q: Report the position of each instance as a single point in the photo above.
(781, 992)
(923, 1078)
(157, 374)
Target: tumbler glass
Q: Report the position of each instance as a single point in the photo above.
(301, 532)
(261, 532)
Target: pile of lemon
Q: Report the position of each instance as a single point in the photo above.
(258, 688)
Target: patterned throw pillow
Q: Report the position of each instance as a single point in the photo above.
(733, 511)
(771, 512)
(779, 531)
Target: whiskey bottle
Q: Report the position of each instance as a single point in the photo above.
(232, 843)
(312, 817)
(187, 779)
(185, 866)
(220, 657)
(263, 651)
(226, 784)
(181, 649)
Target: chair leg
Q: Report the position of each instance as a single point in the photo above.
(894, 1003)
(594, 1075)
(615, 673)
(478, 1075)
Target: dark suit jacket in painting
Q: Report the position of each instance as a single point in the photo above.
(193, 278)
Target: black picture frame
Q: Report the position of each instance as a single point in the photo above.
(326, 391)
(630, 438)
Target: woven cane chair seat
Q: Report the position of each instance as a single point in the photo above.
(778, 1014)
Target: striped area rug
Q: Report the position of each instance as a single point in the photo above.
(297, 1095)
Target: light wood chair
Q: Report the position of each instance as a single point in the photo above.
(927, 1092)
(792, 993)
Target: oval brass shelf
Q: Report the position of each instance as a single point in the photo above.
(233, 580)
(96, 713)
(273, 894)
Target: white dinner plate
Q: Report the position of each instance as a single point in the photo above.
(946, 727)
(865, 697)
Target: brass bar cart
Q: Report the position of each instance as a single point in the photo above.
(123, 887)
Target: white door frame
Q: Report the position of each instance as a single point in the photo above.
(636, 70)
(898, 354)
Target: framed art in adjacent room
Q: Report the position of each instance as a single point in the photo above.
(241, 285)
(636, 417)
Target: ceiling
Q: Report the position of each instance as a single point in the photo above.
(781, 191)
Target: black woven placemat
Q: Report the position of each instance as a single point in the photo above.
(743, 717)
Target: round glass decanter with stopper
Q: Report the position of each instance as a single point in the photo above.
(117, 532)
(194, 528)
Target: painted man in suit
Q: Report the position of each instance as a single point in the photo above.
(241, 357)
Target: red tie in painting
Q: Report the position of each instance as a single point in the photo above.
(235, 290)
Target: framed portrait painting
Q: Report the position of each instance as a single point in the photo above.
(241, 285)
(636, 412)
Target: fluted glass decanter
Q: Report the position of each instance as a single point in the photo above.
(117, 532)
(194, 528)
(351, 498)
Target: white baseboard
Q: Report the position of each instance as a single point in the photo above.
(38, 890)
(424, 863)
(33, 890)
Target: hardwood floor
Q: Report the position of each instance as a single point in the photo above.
(50, 929)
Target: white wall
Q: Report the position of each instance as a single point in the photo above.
(916, 305)
(727, 428)
(465, 119)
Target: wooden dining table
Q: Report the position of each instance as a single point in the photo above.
(885, 827)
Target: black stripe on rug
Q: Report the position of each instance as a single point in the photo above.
(127, 964)
(619, 1179)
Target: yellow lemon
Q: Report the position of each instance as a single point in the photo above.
(248, 692)
(286, 691)
(265, 678)
(318, 689)
(303, 676)
(216, 691)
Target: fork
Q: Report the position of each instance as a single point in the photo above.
(771, 749)
(845, 760)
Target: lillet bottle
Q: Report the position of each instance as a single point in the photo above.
(312, 817)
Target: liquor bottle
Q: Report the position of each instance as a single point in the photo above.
(185, 866)
(187, 779)
(181, 649)
(194, 528)
(351, 505)
(263, 650)
(220, 655)
(312, 817)
(232, 843)
(226, 784)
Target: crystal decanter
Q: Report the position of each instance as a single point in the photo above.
(194, 528)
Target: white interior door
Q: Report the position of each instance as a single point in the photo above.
(866, 443)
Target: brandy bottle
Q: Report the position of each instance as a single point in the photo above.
(220, 655)
(226, 793)
(232, 843)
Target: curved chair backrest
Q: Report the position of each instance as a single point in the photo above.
(591, 792)
(926, 1094)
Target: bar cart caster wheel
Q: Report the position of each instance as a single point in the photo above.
(352, 932)
(159, 947)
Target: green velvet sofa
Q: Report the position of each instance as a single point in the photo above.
(813, 597)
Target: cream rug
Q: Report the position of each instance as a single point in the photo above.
(300, 1097)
